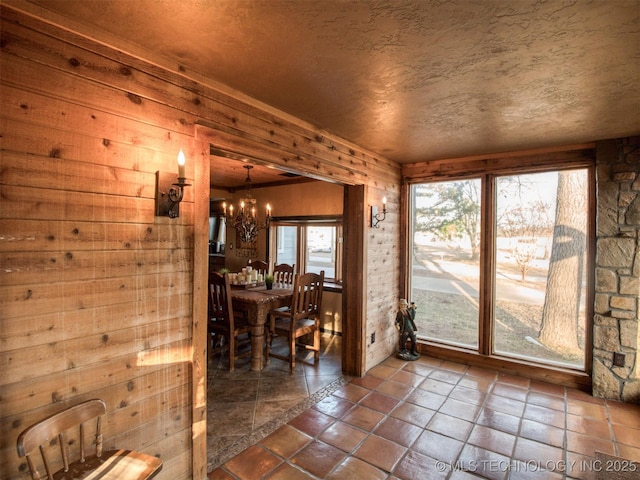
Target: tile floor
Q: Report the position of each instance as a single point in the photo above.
(433, 419)
(243, 406)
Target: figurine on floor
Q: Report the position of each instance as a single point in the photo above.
(405, 322)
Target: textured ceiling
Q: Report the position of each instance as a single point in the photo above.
(409, 80)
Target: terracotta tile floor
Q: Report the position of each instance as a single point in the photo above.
(433, 419)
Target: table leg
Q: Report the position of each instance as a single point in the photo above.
(257, 342)
(259, 316)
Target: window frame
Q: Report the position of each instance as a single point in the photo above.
(580, 156)
(301, 223)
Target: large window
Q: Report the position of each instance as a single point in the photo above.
(312, 245)
(446, 260)
(498, 264)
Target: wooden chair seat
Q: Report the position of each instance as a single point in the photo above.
(303, 318)
(64, 432)
(113, 465)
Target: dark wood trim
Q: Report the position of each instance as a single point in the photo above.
(487, 249)
(507, 163)
(406, 215)
(591, 270)
(257, 186)
(309, 219)
(558, 376)
(353, 331)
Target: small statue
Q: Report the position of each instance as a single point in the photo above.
(405, 322)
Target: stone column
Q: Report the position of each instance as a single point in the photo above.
(617, 284)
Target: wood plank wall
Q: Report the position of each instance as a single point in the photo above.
(100, 298)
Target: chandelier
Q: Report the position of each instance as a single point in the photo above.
(246, 222)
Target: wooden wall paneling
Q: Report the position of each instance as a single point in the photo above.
(76, 73)
(135, 403)
(78, 163)
(56, 326)
(316, 151)
(87, 380)
(25, 202)
(179, 466)
(165, 425)
(41, 235)
(200, 319)
(62, 143)
(27, 267)
(73, 119)
(382, 274)
(252, 124)
(20, 300)
(148, 406)
(116, 118)
(300, 162)
(40, 360)
(48, 172)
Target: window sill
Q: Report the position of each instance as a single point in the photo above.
(332, 287)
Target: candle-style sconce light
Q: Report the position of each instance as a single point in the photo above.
(376, 218)
(169, 193)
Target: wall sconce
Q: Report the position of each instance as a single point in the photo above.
(375, 216)
(168, 192)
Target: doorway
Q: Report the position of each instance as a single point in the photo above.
(224, 166)
(248, 401)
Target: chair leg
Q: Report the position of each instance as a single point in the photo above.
(316, 345)
(232, 352)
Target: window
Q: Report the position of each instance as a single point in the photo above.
(446, 264)
(498, 264)
(311, 244)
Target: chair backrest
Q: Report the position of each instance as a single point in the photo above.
(38, 435)
(221, 309)
(307, 296)
(259, 265)
(283, 274)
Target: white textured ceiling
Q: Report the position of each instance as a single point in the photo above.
(409, 80)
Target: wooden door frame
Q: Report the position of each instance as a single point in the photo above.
(353, 281)
(353, 292)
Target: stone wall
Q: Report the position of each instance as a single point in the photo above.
(617, 271)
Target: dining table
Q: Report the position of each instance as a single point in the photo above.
(257, 303)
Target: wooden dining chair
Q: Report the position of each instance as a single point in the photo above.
(282, 277)
(259, 265)
(225, 328)
(283, 274)
(57, 442)
(301, 319)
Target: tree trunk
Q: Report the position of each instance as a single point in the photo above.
(559, 330)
